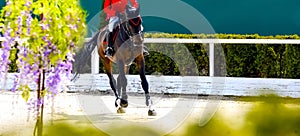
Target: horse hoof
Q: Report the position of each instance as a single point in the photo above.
(152, 113)
(124, 103)
(121, 110)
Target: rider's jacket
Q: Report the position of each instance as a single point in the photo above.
(111, 7)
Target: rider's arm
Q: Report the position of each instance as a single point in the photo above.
(108, 10)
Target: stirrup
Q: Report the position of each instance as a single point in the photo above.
(109, 52)
(145, 51)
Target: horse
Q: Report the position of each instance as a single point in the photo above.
(128, 46)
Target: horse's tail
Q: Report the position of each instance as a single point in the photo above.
(84, 55)
(91, 44)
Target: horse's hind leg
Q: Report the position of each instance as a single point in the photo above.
(108, 70)
(141, 65)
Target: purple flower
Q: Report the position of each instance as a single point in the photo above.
(8, 2)
(45, 26)
(72, 44)
(28, 31)
(20, 23)
(44, 38)
(28, 4)
(5, 51)
(47, 52)
(28, 23)
(53, 47)
(40, 102)
(16, 81)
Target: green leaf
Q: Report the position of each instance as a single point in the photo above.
(25, 92)
(43, 93)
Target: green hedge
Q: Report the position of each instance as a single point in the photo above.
(254, 60)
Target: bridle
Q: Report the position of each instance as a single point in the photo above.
(129, 22)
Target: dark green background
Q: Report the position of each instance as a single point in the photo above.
(264, 17)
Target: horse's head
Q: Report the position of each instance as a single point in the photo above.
(134, 25)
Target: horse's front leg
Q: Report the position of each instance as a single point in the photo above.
(108, 69)
(141, 65)
(122, 83)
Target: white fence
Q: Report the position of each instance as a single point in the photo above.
(200, 85)
(205, 85)
(211, 84)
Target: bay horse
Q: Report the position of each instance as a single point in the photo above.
(128, 46)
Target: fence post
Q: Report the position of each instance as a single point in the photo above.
(95, 62)
(211, 59)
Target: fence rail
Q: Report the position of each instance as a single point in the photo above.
(217, 41)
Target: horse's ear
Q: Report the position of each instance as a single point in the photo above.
(127, 9)
(137, 10)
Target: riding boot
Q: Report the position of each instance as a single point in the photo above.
(110, 47)
(145, 51)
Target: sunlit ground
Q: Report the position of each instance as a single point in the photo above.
(268, 116)
(247, 116)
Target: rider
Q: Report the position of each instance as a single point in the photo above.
(112, 8)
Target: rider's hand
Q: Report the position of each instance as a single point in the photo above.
(110, 14)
